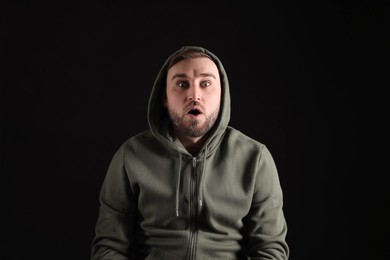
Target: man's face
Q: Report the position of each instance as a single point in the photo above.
(193, 96)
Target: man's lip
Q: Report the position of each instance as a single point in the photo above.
(193, 116)
(195, 108)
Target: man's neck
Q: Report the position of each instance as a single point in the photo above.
(193, 144)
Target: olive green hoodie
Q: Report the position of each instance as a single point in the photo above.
(160, 202)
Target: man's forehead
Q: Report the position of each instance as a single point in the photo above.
(194, 67)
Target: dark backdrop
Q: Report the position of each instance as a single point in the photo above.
(75, 85)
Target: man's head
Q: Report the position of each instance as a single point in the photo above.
(193, 93)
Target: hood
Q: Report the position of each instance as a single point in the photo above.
(157, 115)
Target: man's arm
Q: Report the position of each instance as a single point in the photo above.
(266, 223)
(115, 225)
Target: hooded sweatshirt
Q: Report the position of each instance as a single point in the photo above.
(158, 201)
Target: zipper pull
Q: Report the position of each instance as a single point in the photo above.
(193, 162)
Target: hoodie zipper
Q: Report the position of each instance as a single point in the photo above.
(193, 211)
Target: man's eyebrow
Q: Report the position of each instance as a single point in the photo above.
(208, 75)
(179, 75)
(183, 75)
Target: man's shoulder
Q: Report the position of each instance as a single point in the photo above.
(236, 136)
(140, 139)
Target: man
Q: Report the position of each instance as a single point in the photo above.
(191, 187)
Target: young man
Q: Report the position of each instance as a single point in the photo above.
(191, 187)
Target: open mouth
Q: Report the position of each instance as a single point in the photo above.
(194, 112)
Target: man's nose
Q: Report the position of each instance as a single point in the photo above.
(194, 94)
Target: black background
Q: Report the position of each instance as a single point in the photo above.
(75, 85)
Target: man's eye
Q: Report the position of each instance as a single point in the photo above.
(205, 83)
(182, 84)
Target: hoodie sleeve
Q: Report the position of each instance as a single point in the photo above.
(266, 222)
(115, 225)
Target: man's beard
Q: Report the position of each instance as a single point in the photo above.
(192, 127)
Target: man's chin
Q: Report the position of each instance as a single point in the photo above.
(191, 131)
